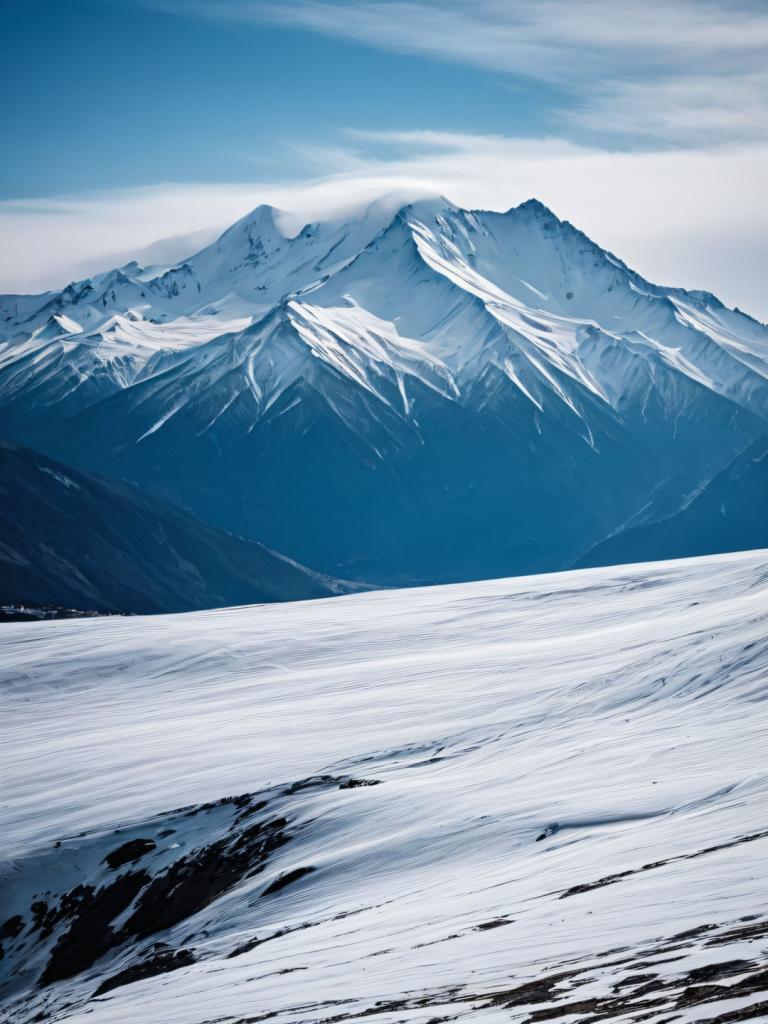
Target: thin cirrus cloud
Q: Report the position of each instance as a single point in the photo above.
(641, 205)
(677, 70)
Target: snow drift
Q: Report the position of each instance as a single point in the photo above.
(520, 800)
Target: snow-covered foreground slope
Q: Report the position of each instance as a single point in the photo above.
(520, 800)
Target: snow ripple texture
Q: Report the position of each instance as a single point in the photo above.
(517, 800)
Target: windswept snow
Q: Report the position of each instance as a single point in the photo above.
(519, 800)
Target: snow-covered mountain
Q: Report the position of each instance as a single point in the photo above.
(430, 394)
(526, 800)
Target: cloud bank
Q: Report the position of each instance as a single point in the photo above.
(690, 217)
(661, 154)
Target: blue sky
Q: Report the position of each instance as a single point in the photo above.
(112, 94)
(130, 120)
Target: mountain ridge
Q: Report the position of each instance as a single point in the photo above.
(98, 545)
(701, 524)
(449, 382)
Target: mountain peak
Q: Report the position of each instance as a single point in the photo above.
(469, 356)
(262, 219)
(535, 208)
(430, 206)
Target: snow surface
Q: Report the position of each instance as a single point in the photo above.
(527, 736)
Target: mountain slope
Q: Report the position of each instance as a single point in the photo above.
(426, 394)
(519, 800)
(76, 541)
(731, 511)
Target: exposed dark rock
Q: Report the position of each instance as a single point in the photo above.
(715, 972)
(246, 947)
(633, 980)
(747, 932)
(357, 783)
(312, 782)
(253, 809)
(129, 853)
(162, 962)
(576, 890)
(754, 981)
(694, 933)
(241, 800)
(612, 879)
(539, 991)
(90, 935)
(39, 910)
(550, 830)
(79, 926)
(584, 1006)
(46, 917)
(12, 927)
(287, 878)
(757, 1011)
(200, 877)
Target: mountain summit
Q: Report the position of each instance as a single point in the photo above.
(431, 395)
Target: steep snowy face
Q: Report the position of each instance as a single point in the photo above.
(492, 384)
(532, 296)
(550, 284)
(64, 367)
(520, 291)
(96, 336)
(254, 264)
(518, 800)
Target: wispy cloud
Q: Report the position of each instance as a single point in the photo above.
(695, 217)
(678, 70)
